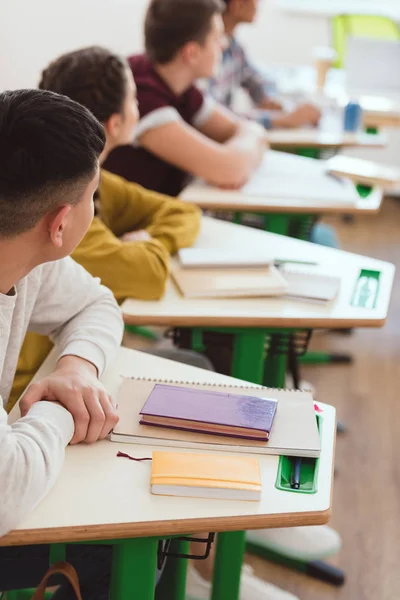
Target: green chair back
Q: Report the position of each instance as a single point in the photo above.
(367, 26)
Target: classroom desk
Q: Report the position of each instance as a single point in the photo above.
(360, 303)
(213, 198)
(104, 499)
(299, 82)
(287, 216)
(380, 111)
(280, 139)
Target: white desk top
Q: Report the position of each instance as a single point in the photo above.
(212, 198)
(100, 496)
(285, 183)
(314, 138)
(175, 310)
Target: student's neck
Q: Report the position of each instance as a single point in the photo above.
(230, 25)
(176, 76)
(18, 262)
(106, 151)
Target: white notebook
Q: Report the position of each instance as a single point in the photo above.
(283, 175)
(294, 431)
(363, 171)
(308, 286)
(216, 258)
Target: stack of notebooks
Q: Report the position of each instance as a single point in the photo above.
(216, 273)
(253, 420)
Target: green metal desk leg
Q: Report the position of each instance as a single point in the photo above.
(237, 218)
(134, 569)
(275, 371)
(57, 553)
(228, 565)
(277, 223)
(325, 358)
(249, 355)
(173, 581)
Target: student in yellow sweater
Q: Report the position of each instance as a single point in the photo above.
(135, 231)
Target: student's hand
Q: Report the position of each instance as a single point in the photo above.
(234, 187)
(74, 384)
(269, 104)
(136, 236)
(306, 114)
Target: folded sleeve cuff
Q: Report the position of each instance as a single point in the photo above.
(55, 413)
(205, 111)
(157, 118)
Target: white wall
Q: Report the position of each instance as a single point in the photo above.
(33, 32)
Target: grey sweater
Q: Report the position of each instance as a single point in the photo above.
(62, 300)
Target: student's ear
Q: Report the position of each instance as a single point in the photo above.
(56, 225)
(113, 126)
(190, 53)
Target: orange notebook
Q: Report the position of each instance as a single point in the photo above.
(205, 476)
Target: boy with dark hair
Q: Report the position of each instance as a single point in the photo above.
(130, 240)
(236, 71)
(49, 171)
(181, 133)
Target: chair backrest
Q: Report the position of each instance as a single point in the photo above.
(367, 26)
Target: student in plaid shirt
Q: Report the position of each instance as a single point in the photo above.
(237, 72)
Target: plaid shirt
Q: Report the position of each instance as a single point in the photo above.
(234, 72)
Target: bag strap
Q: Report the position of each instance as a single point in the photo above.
(61, 568)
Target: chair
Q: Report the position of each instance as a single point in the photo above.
(367, 26)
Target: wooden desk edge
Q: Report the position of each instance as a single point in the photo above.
(165, 528)
(233, 205)
(379, 143)
(249, 322)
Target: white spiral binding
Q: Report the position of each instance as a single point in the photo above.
(217, 385)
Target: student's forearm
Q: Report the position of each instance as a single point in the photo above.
(245, 151)
(176, 225)
(32, 454)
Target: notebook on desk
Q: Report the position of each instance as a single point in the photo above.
(207, 411)
(205, 476)
(363, 171)
(228, 283)
(283, 175)
(294, 431)
(309, 286)
(221, 258)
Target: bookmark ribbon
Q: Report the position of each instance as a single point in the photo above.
(123, 455)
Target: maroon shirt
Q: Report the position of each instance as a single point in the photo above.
(158, 105)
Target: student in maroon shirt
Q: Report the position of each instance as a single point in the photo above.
(181, 132)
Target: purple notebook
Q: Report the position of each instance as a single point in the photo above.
(203, 411)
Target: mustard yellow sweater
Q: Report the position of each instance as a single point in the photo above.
(129, 269)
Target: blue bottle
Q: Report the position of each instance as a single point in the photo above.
(352, 116)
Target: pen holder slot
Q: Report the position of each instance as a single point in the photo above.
(308, 472)
(366, 289)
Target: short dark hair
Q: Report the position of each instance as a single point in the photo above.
(170, 24)
(49, 150)
(94, 77)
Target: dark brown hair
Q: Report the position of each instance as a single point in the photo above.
(49, 151)
(94, 77)
(170, 24)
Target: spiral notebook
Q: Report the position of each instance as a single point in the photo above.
(294, 432)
